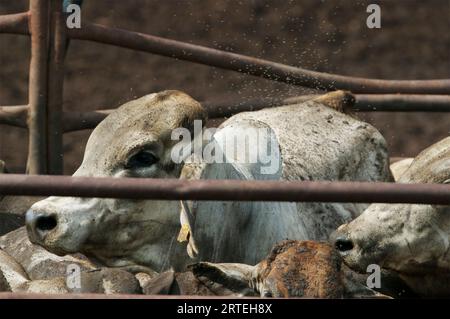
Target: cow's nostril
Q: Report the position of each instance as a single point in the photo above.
(343, 244)
(46, 223)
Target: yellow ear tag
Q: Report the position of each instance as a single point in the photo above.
(184, 233)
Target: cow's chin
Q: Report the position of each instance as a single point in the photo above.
(119, 262)
(62, 248)
(55, 249)
(359, 261)
(108, 261)
(412, 268)
(59, 244)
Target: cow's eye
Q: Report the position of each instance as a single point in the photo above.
(142, 159)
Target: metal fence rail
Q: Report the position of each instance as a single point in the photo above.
(95, 296)
(254, 66)
(224, 190)
(37, 87)
(75, 121)
(237, 62)
(46, 121)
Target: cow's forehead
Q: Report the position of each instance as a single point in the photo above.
(137, 122)
(151, 112)
(431, 166)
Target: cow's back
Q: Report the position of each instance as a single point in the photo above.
(321, 143)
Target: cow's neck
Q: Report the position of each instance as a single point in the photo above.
(241, 231)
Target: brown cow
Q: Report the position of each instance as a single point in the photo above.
(292, 269)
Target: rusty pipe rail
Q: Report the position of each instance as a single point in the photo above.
(224, 190)
(253, 66)
(74, 121)
(14, 115)
(236, 62)
(96, 296)
(44, 22)
(38, 87)
(57, 52)
(402, 103)
(16, 23)
(363, 103)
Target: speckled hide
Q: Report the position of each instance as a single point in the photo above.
(305, 269)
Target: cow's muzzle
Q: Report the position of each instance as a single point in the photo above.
(39, 225)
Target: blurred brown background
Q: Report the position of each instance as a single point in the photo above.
(329, 36)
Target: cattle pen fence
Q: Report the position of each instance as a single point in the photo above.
(46, 122)
(43, 116)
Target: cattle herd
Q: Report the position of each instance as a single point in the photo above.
(267, 249)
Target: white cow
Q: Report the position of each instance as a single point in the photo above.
(310, 141)
(412, 240)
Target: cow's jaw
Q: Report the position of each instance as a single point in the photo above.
(116, 233)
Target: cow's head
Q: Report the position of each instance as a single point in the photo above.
(292, 269)
(133, 141)
(413, 240)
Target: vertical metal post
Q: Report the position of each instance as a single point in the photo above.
(57, 50)
(37, 91)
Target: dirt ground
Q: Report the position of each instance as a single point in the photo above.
(329, 36)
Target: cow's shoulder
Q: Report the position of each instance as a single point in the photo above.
(321, 142)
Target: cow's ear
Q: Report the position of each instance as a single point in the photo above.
(225, 279)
